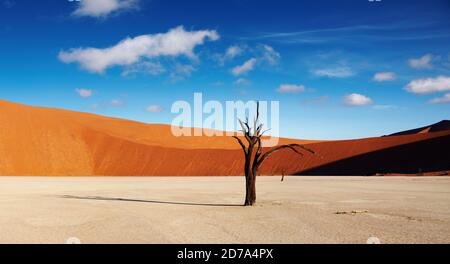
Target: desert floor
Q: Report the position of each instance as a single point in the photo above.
(207, 210)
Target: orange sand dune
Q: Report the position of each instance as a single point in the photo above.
(45, 141)
(54, 142)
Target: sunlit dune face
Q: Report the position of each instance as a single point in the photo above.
(43, 141)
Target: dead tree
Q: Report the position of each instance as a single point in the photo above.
(254, 156)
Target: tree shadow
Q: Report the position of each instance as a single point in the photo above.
(100, 198)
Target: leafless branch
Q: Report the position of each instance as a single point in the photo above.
(276, 149)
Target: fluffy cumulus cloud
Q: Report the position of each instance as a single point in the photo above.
(130, 51)
(384, 76)
(84, 92)
(423, 62)
(291, 88)
(103, 8)
(429, 85)
(154, 109)
(248, 66)
(357, 100)
(441, 100)
(339, 72)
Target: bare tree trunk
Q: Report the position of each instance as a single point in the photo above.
(254, 160)
(250, 196)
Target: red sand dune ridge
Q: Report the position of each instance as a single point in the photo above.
(43, 141)
(46, 141)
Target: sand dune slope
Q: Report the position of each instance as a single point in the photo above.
(45, 141)
(41, 141)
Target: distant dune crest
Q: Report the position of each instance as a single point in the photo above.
(444, 125)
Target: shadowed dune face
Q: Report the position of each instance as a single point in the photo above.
(397, 154)
(54, 142)
(419, 157)
(441, 126)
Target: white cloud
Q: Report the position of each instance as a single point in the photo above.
(429, 85)
(95, 106)
(270, 55)
(174, 43)
(244, 68)
(147, 67)
(233, 51)
(181, 71)
(84, 92)
(357, 100)
(117, 102)
(102, 8)
(154, 109)
(241, 81)
(423, 62)
(384, 76)
(260, 55)
(184, 69)
(291, 88)
(340, 72)
(441, 100)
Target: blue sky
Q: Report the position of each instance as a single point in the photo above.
(340, 69)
